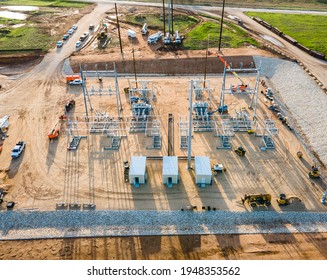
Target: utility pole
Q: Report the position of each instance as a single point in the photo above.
(205, 65)
(121, 47)
(134, 68)
(221, 25)
(189, 140)
(164, 16)
(172, 17)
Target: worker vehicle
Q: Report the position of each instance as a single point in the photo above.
(69, 105)
(59, 44)
(18, 149)
(154, 38)
(314, 173)
(299, 154)
(284, 200)
(167, 40)
(53, 135)
(144, 29)
(76, 82)
(178, 39)
(255, 200)
(74, 27)
(217, 168)
(65, 37)
(78, 44)
(70, 31)
(70, 78)
(240, 151)
(126, 171)
(126, 89)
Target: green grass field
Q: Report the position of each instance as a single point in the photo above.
(45, 3)
(29, 36)
(181, 22)
(207, 34)
(308, 30)
(26, 37)
(317, 5)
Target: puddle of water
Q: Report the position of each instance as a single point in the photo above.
(272, 40)
(13, 15)
(21, 8)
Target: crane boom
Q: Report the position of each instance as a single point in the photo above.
(228, 66)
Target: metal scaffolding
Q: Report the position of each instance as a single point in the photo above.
(267, 132)
(183, 132)
(143, 93)
(153, 131)
(100, 91)
(200, 87)
(227, 132)
(241, 88)
(241, 121)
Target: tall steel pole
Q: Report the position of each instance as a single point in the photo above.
(134, 66)
(164, 16)
(189, 144)
(221, 25)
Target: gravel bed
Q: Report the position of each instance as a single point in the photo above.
(60, 224)
(304, 100)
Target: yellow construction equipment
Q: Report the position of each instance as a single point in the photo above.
(284, 200)
(314, 173)
(240, 151)
(126, 171)
(255, 200)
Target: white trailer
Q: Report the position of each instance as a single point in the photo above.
(170, 173)
(4, 124)
(203, 172)
(131, 33)
(137, 171)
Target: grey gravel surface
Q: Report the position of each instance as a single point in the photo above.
(59, 224)
(304, 101)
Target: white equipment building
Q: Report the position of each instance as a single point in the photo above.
(137, 171)
(170, 173)
(203, 172)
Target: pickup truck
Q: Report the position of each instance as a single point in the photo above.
(18, 149)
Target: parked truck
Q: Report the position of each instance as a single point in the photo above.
(152, 39)
(18, 149)
(70, 78)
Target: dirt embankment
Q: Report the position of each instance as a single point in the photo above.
(170, 66)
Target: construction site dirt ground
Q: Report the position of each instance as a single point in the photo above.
(93, 175)
(47, 174)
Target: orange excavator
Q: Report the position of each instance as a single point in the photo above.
(54, 132)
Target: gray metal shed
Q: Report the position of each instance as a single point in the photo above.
(203, 172)
(170, 173)
(137, 171)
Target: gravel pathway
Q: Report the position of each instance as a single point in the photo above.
(60, 224)
(304, 100)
